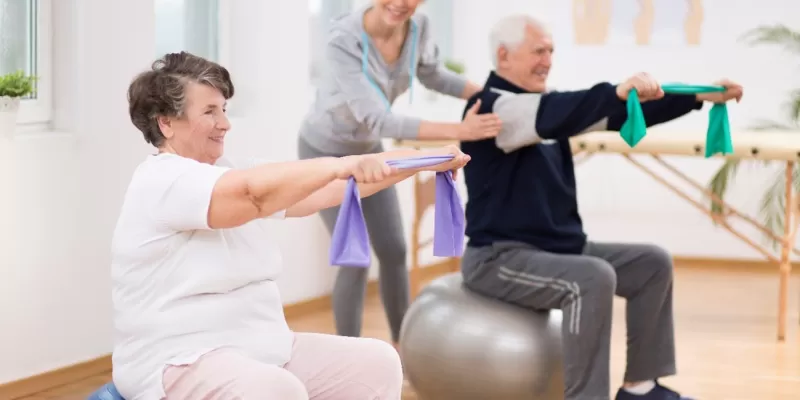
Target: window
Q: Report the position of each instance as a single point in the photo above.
(25, 45)
(440, 14)
(321, 12)
(188, 25)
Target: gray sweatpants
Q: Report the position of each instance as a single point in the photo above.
(583, 286)
(386, 234)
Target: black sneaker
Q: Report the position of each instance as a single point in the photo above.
(657, 393)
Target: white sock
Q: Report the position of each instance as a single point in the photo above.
(641, 387)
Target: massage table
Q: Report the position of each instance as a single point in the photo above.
(779, 147)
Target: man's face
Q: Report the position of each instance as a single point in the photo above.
(529, 64)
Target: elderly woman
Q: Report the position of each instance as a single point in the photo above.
(196, 307)
(371, 58)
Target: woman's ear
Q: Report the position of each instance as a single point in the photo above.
(165, 125)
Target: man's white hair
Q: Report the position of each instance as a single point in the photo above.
(509, 32)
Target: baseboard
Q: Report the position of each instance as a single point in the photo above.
(762, 266)
(102, 365)
(53, 379)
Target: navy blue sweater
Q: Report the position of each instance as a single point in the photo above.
(521, 186)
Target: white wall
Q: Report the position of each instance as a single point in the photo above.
(66, 186)
(63, 188)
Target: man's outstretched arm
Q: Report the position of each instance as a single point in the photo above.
(529, 118)
(674, 106)
(532, 117)
(668, 108)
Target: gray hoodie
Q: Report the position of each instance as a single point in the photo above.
(352, 112)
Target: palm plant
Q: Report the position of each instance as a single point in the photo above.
(773, 199)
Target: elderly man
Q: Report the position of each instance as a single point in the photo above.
(526, 241)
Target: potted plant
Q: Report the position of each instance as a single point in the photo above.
(455, 66)
(452, 65)
(13, 87)
(771, 212)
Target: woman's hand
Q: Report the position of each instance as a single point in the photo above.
(367, 168)
(479, 126)
(459, 160)
(372, 168)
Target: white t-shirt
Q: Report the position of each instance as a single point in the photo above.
(181, 289)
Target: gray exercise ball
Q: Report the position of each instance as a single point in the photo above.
(460, 345)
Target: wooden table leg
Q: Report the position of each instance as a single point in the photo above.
(786, 238)
(455, 264)
(786, 246)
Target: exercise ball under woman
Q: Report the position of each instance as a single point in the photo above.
(371, 58)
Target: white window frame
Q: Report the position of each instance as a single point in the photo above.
(39, 110)
(440, 14)
(341, 6)
(224, 32)
(188, 18)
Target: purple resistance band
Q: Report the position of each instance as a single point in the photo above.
(350, 243)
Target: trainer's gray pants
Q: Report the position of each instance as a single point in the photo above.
(387, 237)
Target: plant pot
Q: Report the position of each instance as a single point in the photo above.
(9, 109)
(432, 96)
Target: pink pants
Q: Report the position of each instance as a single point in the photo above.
(321, 367)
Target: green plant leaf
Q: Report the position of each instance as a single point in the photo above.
(773, 203)
(777, 34)
(719, 183)
(766, 125)
(772, 208)
(455, 66)
(17, 84)
(794, 106)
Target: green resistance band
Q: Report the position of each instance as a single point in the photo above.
(718, 135)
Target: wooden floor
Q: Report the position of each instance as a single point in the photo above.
(725, 326)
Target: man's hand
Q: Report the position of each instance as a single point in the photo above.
(645, 85)
(732, 91)
(479, 126)
(367, 168)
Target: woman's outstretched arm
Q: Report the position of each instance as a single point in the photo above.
(332, 194)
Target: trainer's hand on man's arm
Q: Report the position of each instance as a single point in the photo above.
(732, 91)
(479, 126)
(474, 127)
(645, 85)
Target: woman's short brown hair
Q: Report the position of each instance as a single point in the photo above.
(161, 91)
